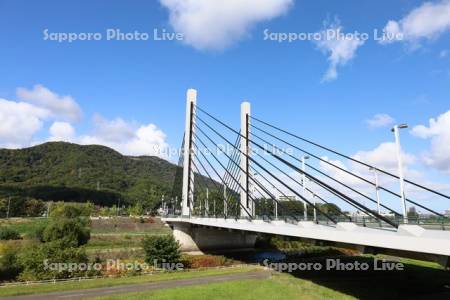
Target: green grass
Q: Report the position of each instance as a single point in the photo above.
(23, 225)
(126, 231)
(280, 286)
(418, 279)
(114, 242)
(107, 282)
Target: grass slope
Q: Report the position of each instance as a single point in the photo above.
(107, 282)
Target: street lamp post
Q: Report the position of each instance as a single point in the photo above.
(396, 131)
(225, 210)
(377, 189)
(305, 213)
(314, 202)
(207, 202)
(253, 191)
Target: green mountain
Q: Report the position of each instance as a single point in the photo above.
(70, 172)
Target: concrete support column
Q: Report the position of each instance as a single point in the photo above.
(197, 238)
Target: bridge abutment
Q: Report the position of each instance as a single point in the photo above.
(201, 238)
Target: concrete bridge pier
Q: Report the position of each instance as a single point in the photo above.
(202, 238)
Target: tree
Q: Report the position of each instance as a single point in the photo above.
(159, 249)
(70, 210)
(71, 232)
(136, 210)
(34, 207)
(330, 209)
(68, 223)
(413, 215)
(12, 206)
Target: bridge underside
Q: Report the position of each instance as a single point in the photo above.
(407, 241)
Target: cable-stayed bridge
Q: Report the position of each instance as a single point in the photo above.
(259, 178)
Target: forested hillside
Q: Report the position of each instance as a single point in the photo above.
(64, 171)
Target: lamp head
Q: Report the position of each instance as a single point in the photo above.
(401, 126)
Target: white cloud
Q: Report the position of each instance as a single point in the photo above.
(341, 175)
(128, 138)
(215, 25)
(427, 21)
(443, 53)
(23, 120)
(113, 131)
(60, 107)
(340, 49)
(61, 131)
(384, 156)
(438, 131)
(19, 122)
(380, 120)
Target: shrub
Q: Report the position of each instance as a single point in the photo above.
(71, 232)
(160, 249)
(8, 233)
(206, 261)
(9, 265)
(38, 261)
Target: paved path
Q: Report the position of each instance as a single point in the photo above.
(130, 288)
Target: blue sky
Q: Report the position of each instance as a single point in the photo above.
(116, 89)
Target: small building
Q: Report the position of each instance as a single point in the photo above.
(286, 198)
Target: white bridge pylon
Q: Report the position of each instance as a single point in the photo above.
(188, 154)
(244, 161)
(187, 202)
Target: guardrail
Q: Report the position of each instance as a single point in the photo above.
(366, 221)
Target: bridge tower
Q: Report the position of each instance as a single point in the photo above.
(187, 202)
(245, 154)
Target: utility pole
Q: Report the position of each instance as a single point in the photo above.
(396, 131)
(9, 205)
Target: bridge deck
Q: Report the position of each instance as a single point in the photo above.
(412, 238)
